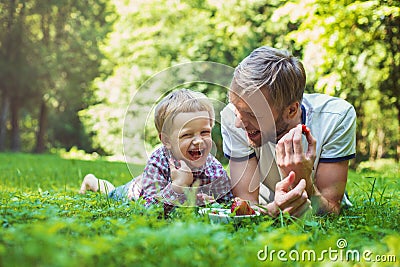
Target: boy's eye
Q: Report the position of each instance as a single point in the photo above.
(185, 136)
(206, 133)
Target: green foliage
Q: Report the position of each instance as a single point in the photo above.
(151, 36)
(68, 72)
(50, 53)
(46, 223)
(351, 49)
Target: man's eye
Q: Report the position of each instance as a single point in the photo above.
(205, 133)
(250, 114)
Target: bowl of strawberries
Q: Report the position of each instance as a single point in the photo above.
(239, 210)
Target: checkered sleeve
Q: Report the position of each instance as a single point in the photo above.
(152, 181)
(156, 183)
(169, 196)
(216, 182)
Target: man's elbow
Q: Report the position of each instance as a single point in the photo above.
(246, 195)
(325, 206)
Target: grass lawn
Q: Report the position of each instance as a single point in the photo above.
(45, 222)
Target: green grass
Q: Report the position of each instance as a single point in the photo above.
(45, 222)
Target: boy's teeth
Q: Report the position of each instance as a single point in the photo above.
(196, 152)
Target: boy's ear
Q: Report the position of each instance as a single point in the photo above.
(165, 140)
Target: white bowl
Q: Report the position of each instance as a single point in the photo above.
(218, 215)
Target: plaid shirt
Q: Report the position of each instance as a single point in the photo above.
(156, 181)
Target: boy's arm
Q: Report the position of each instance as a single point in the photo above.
(157, 187)
(216, 184)
(181, 177)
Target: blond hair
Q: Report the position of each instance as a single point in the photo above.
(181, 101)
(277, 72)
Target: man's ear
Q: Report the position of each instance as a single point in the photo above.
(165, 140)
(292, 110)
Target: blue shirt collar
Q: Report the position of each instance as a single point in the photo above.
(303, 114)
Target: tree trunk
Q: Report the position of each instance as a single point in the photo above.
(5, 105)
(392, 36)
(373, 147)
(40, 136)
(381, 146)
(397, 156)
(15, 138)
(362, 153)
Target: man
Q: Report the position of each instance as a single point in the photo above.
(271, 162)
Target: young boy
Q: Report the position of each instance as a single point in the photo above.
(184, 120)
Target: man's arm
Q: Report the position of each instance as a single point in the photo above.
(245, 179)
(329, 186)
(330, 178)
(246, 184)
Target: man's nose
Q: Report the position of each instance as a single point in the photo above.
(240, 122)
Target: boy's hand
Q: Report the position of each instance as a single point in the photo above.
(205, 199)
(182, 177)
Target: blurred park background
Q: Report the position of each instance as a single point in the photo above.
(69, 68)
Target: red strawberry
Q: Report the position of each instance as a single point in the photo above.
(241, 207)
(305, 129)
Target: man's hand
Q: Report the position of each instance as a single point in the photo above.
(290, 156)
(182, 177)
(294, 201)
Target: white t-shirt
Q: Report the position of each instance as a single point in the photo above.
(331, 120)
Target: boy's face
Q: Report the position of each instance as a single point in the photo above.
(189, 138)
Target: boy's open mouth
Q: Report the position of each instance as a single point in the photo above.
(196, 154)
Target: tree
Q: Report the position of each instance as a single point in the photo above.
(151, 36)
(72, 35)
(17, 75)
(49, 57)
(351, 50)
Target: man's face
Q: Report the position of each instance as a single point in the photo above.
(261, 121)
